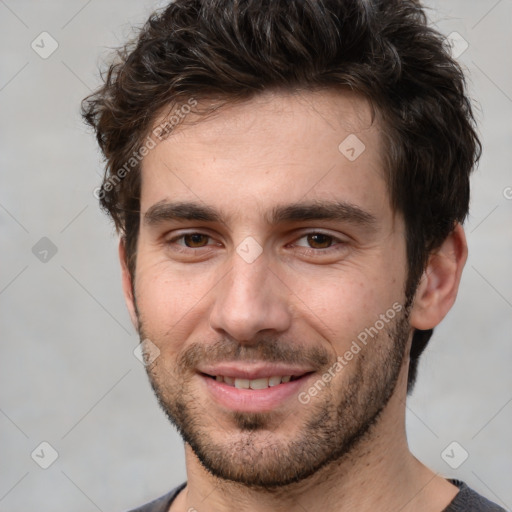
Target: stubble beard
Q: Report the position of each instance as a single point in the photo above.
(255, 450)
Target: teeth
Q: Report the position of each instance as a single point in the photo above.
(262, 383)
(274, 381)
(242, 383)
(259, 383)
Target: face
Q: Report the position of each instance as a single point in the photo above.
(270, 276)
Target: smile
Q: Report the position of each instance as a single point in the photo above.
(261, 383)
(257, 394)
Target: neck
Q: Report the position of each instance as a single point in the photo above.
(379, 473)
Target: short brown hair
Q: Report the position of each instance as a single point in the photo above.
(235, 49)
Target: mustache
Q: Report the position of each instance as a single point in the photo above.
(268, 349)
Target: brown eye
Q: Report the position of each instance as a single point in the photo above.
(319, 241)
(195, 240)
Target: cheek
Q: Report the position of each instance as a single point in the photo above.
(341, 308)
(169, 302)
(341, 305)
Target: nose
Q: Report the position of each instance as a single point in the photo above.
(249, 300)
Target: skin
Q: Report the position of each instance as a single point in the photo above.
(249, 158)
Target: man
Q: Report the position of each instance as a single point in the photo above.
(289, 179)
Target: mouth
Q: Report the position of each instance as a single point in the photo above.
(260, 383)
(262, 393)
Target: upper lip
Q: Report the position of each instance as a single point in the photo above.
(253, 371)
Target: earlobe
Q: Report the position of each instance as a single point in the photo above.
(439, 284)
(127, 284)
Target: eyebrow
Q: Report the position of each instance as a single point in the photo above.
(165, 211)
(323, 210)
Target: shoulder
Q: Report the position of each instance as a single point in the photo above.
(161, 504)
(468, 500)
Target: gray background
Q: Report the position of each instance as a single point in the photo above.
(68, 373)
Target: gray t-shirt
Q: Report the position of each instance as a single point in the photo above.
(466, 500)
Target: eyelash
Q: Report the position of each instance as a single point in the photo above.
(308, 251)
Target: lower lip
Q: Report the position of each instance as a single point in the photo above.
(253, 400)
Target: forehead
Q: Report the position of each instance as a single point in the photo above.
(274, 148)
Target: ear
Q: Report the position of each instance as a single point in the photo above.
(439, 284)
(127, 284)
